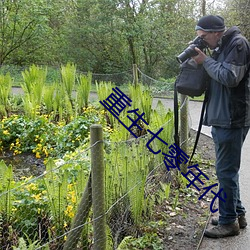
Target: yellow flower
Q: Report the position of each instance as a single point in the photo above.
(73, 199)
(45, 151)
(14, 209)
(69, 211)
(37, 196)
(16, 152)
(6, 132)
(38, 156)
(31, 186)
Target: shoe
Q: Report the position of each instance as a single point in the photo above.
(221, 230)
(241, 219)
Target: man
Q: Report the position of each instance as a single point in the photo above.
(228, 112)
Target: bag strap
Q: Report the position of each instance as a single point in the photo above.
(199, 127)
(176, 117)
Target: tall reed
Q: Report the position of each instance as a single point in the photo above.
(126, 172)
(68, 74)
(6, 184)
(5, 90)
(83, 91)
(56, 184)
(33, 86)
(162, 118)
(104, 89)
(48, 97)
(142, 99)
(62, 106)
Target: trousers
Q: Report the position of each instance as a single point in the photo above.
(228, 146)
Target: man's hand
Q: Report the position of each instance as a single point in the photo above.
(200, 58)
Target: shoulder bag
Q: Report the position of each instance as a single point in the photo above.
(192, 79)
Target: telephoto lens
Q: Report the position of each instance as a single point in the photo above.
(190, 50)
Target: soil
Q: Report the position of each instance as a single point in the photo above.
(25, 164)
(187, 224)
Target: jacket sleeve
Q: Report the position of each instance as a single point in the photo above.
(232, 69)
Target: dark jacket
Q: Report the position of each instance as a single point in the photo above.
(229, 91)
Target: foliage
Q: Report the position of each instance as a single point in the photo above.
(43, 206)
(127, 167)
(6, 184)
(30, 204)
(141, 99)
(104, 89)
(68, 73)
(48, 98)
(35, 200)
(236, 13)
(5, 89)
(83, 91)
(43, 137)
(106, 36)
(126, 170)
(22, 245)
(34, 81)
(22, 23)
(147, 241)
(162, 118)
(55, 99)
(163, 87)
(50, 201)
(56, 183)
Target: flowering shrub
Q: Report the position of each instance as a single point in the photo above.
(49, 203)
(43, 137)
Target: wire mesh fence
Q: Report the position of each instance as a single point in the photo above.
(53, 210)
(56, 209)
(160, 87)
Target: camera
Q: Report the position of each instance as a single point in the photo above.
(190, 51)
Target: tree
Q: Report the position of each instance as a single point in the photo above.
(102, 36)
(107, 36)
(94, 38)
(237, 13)
(21, 21)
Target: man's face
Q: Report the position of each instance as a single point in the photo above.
(211, 38)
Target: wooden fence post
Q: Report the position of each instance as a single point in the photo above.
(135, 74)
(184, 127)
(98, 195)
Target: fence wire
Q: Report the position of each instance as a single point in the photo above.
(39, 213)
(45, 229)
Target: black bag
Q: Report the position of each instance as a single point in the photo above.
(192, 80)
